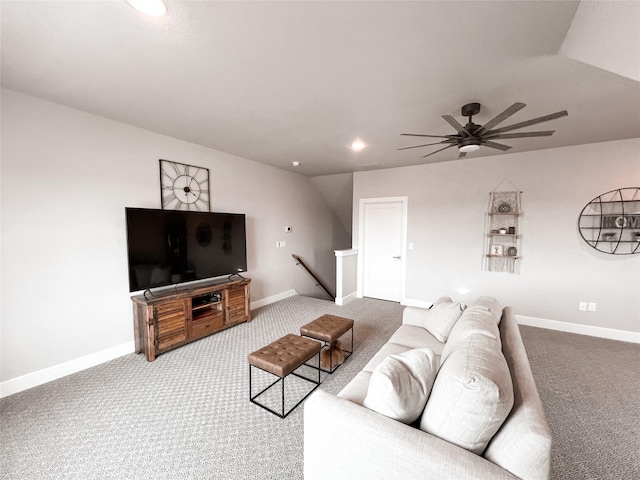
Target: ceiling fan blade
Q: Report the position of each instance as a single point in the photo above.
(430, 136)
(501, 117)
(497, 146)
(528, 123)
(433, 153)
(462, 155)
(455, 124)
(546, 133)
(425, 145)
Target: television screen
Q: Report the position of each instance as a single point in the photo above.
(166, 247)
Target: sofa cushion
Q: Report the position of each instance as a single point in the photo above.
(400, 385)
(472, 395)
(439, 319)
(474, 321)
(416, 337)
(491, 305)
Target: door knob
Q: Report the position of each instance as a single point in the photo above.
(397, 256)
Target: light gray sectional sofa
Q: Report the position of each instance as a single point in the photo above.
(483, 417)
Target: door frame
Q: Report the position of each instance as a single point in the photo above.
(403, 200)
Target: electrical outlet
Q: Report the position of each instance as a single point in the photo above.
(582, 306)
(592, 306)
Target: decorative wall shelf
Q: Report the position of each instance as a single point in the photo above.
(502, 249)
(610, 223)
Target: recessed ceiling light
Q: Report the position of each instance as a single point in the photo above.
(295, 163)
(357, 145)
(153, 8)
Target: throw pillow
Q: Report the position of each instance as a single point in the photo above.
(472, 395)
(441, 318)
(400, 384)
(443, 299)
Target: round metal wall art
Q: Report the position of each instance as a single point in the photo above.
(610, 223)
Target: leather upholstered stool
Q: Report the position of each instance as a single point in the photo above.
(281, 358)
(328, 329)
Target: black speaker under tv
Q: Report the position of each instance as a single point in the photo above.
(167, 247)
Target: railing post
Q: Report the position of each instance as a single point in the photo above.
(346, 275)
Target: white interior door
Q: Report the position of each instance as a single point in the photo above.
(382, 248)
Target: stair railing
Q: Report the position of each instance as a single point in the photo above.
(319, 282)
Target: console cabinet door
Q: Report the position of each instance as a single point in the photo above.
(238, 304)
(170, 324)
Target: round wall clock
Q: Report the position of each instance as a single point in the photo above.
(184, 187)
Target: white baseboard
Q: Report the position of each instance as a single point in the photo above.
(55, 372)
(48, 374)
(602, 332)
(273, 299)
(346, 299)
(610, 333)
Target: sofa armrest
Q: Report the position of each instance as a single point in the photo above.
(345, 440)
(415, 316)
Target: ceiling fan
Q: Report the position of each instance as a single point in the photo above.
(471, 136)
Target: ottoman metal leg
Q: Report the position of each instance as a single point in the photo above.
(282, 414)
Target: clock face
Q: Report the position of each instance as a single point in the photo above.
(184, 187)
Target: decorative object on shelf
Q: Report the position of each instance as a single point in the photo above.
(184, 187)
(502, 224)
(610, 221)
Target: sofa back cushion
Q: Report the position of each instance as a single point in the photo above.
(474, 321)
(523, 444)
(490, 305)
(471, 396)
(400, 384)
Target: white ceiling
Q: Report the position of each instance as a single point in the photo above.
(278, 82)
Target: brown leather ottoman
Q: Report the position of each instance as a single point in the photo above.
(281, 358)
(328, 329)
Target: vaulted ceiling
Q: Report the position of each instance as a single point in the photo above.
(278, 82)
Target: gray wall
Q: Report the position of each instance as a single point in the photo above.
(446, 217)
(67, 177)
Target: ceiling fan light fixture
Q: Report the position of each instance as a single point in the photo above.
(470, 145)
(153, 8)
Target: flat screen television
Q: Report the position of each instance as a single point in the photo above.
(167, 247)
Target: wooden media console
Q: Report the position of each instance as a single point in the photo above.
(176, 317)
